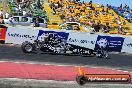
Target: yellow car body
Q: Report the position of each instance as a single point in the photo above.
(73, 26)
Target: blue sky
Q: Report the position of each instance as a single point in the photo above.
(112, 2)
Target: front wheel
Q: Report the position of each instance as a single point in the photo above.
(102, 54)
(105, 54)
(27, 47)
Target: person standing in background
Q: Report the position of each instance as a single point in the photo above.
(1, 14)
(120, 29)
(11, 19)
(106, 28)
(7, 15)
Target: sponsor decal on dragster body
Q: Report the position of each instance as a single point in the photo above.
(78, 39)
(83, 40)
(110, 43)
(43, 33)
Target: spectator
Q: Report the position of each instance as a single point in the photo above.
(54, 11)
(39, 5)
(91, 23)
(7, 15)
(1, 14)
(11, 19)
(90, 2)
(16, 9)
(98, 5)
(96, 13)
(121, 6)
(91, 7)
(106, 28)
(112, 14)
(1, 21)
(18, 1)
(97, 27)
(88, 15)
(24, 13)
(19, 7)
(120, 30)
(36, 23)
(102, 6)
(103, 11)
(124, 22)
(107, 5)
(107, 10)
(30, 14)
(118, 21)
(62, 16)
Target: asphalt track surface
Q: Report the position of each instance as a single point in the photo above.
(13, 53)
(116, 61)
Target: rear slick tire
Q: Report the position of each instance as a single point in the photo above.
(27, 47)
